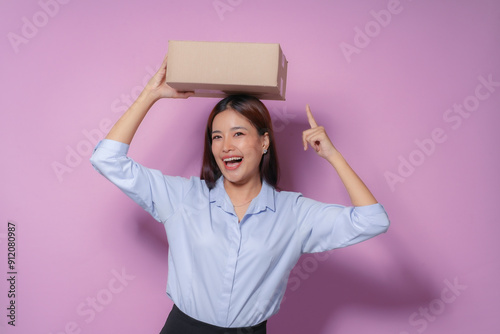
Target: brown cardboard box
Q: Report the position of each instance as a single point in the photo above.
(218, 69)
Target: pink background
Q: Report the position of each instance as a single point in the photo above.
(69, 68)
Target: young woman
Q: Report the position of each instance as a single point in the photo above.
(233, 238)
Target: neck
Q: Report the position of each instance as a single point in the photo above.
(241, 193)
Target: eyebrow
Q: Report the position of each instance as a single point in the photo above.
(232, 129)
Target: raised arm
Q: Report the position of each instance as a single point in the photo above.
(316, 136)
(126, 127)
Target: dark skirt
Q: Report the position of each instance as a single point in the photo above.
(180, 323)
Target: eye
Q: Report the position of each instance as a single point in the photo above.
(237, 134)
(216, 137)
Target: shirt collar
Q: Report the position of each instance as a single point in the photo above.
(265, 199)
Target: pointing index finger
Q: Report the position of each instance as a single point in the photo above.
(310, 118)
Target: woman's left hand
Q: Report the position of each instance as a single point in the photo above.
(318, 139)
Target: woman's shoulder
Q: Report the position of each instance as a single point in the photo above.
(287, 197)
(191, 182)
(298, 201)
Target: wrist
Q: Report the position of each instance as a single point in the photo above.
(335, 158)
(148, 96)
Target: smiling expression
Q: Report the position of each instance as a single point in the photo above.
(237, 147)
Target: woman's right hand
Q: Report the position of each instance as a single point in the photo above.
(157, 88)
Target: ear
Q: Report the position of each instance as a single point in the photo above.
(265, 141)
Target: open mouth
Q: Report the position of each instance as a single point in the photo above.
(233, 162)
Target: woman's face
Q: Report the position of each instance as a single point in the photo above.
(237, 147)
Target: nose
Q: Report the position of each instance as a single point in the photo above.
(227, 145)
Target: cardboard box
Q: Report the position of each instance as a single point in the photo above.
(218, 69)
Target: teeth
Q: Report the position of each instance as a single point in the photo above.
(232, 159)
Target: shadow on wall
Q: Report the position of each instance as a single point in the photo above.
(335, 286)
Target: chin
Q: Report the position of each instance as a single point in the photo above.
(235, 180)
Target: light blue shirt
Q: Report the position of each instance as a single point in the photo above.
(223, 272)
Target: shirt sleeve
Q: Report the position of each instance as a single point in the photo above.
(154, 192)
(328, 226)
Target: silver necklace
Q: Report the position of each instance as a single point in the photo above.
(237, 206)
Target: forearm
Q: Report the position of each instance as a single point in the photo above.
(316, 137)
(126, 127)
(358, 192)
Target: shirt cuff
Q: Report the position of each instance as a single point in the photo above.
(113, 146)
(368, 210)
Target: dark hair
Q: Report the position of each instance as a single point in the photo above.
(256, 112)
